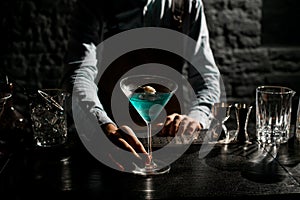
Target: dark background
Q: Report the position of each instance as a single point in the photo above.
(255, 42)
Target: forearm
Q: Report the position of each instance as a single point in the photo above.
(84, 89)
(204, 75)
(81, 63)
(206, 87)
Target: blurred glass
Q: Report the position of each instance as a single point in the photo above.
(48, 116)
(12, 122)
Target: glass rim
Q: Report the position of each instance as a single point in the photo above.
(53, 89)
(145, 75)
(273, 89)
(5, 96)
(50, 99)
(150, 75)
(243, 106)
(222, 104)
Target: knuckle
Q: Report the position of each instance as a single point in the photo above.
(177, 117)
(169, 118)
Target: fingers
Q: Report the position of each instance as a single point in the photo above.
(132, 143)
(188, 126)
(132, 140)
(180, 125)
(175, 124)
(124, 138)
(128, 147)
(118, 161)
(170, 125)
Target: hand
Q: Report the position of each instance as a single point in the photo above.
(124, 138)
(180, 125)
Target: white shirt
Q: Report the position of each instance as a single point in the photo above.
(90, 28)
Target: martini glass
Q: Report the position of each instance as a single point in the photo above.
(149, 94)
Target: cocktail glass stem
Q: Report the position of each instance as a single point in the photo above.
(149, 165)
(148, 94)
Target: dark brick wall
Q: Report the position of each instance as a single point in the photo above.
(34, 36)
(236, 31)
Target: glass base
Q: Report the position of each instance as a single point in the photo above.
(157, 167)
(230, 138)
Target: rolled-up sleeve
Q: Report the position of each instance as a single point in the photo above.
(81, 70)
(204, 75)
(85, 89)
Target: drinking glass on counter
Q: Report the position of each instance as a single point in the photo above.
(48, 116)
(273, 114)
(242, 112)
(221, 113)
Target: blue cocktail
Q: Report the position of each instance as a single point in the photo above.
(149, 94)
(149, 105)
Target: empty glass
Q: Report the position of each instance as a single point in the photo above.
(48, 117)
(273, 114)
(242, 112)
(221, 113)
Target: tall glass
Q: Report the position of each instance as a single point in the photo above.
(148, 94)
(273, 114)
